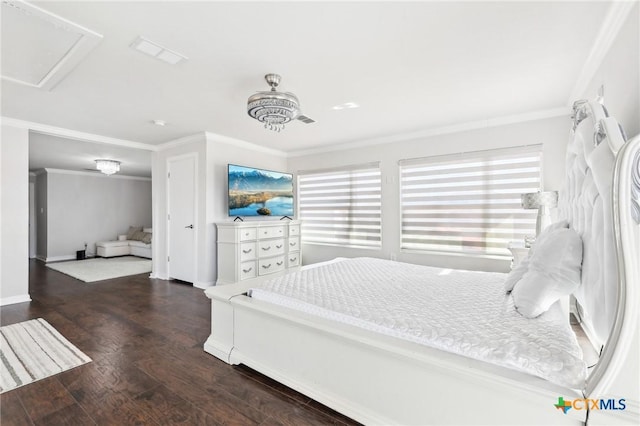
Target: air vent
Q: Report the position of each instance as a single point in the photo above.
(305, 119)
(157, 51)
(39, 48)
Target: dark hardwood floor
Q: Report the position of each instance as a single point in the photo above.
(145, 338)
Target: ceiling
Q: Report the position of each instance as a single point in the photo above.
(409, 66)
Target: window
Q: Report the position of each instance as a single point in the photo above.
(341, 206)
(469, 203)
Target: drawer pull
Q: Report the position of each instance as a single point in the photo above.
(293, 244)
(246, 234)
(279, 263)
(266, 266)
(247, 270)
(265, 232)
(279, 247)
(266, 248)
(293, 259)
(247, 251)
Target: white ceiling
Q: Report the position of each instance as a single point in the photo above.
(411, 66)
(47, 151)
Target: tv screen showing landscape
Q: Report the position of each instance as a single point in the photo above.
(257, 192)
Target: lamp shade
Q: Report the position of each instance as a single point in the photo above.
(535, 200)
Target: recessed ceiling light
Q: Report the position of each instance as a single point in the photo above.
(159, 122)
(157, 51)
(347, 105)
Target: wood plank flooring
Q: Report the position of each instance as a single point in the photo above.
(145, 338)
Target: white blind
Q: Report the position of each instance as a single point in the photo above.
(469, 203)
(341, 206)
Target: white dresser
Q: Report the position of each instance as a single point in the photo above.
(257, 249)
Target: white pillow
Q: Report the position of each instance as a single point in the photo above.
(563, 224)
(518, 272)
(149, 230)
(554, 272)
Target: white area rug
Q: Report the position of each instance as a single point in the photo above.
(101, 268)
(32, 350)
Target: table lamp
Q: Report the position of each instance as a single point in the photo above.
(544, 201)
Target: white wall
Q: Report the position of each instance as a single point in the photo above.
(14, 215)
(214, 153)
(620, 76)
(84, 207)
(552, 133)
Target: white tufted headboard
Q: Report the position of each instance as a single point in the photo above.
(586, 202)
(601, 201)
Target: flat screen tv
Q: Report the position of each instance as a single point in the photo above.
(258, 192)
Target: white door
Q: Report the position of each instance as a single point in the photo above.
(181, 217)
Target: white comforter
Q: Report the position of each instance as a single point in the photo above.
(457, 311)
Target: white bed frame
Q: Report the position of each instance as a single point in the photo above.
(378, 379)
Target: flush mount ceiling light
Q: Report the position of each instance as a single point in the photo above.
(39, 49)
(108, 167)
(159, 122)
(157, 51)
(347, 105)
(274, 108)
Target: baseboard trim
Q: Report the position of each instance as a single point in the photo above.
(15, 299)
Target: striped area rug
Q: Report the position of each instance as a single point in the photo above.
(32, 350)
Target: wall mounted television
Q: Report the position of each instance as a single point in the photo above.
(259, 192)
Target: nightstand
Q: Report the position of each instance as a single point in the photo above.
(518, 251)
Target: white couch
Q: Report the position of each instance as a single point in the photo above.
(124, 247)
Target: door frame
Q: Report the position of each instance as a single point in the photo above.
(33, 236)
(194, 157)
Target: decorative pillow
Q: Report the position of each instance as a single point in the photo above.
(518, 272)
(146, 238)
(132, 231)
(138, 236)
(563, 224)
(554, 272)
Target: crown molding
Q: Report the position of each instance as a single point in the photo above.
(611, 25)
(197, 137)
(74, 134)
(436, 131)
(214, 137)
(92, 174)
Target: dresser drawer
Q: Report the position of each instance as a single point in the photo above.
(294, 230)
(247, 270)
(270, 265)
(271, 232)
(293, 259)
(294, 244)
(270, 247)
(247, 234)
(248, 251)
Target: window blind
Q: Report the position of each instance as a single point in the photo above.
(469, 203)
(341, 206)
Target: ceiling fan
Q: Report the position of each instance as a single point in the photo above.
(274, 108)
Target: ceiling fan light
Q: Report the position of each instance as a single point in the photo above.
(273, 108)
(108, 167)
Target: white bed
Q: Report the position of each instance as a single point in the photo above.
(382, 378)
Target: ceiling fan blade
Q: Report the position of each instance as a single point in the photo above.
(305, 119)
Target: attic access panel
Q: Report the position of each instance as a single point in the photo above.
(39, 48)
